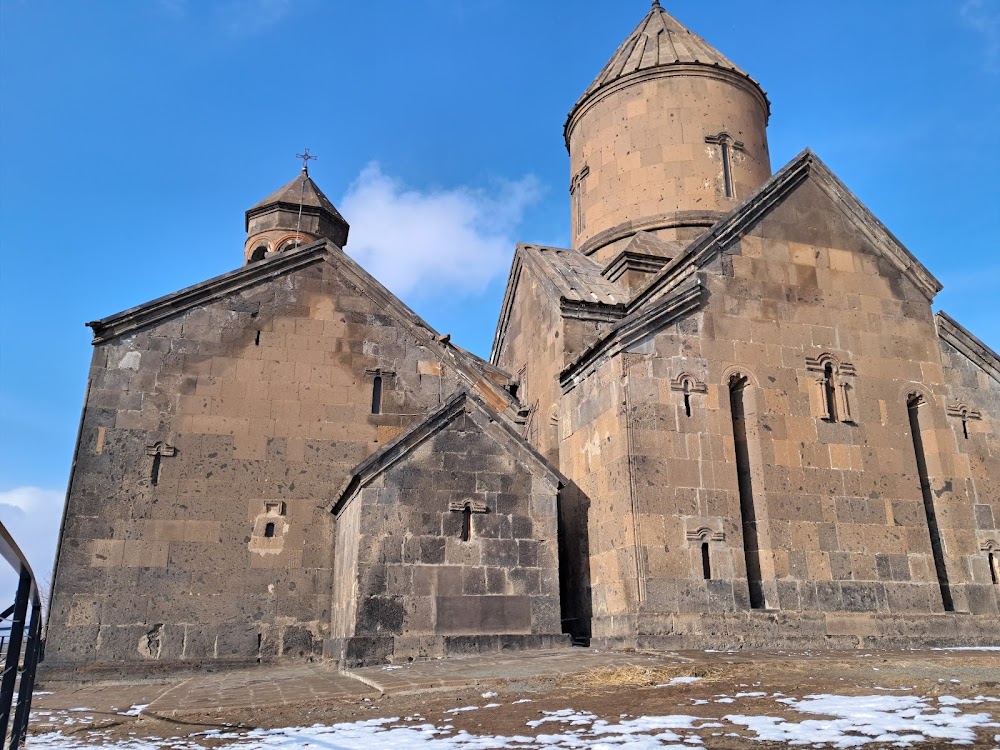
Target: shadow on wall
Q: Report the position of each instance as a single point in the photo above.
(574, 563)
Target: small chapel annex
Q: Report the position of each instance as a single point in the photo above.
(726, 417)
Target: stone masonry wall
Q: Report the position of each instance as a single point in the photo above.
(253, 409)
(419, 588)
(840, 515)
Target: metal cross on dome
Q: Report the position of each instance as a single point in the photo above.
(306, 157)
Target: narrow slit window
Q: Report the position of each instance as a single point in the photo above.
(269, 530)
(937, 549)
(466, 524)
(706, 562)
(965, 426)
(687, 397)
(994, 560)
(154, 474)
(377, 395)
(830, 393)
(727, 170)
(256, 340)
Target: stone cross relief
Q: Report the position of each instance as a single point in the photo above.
(467, 508)
(157, 451)
(963, 412)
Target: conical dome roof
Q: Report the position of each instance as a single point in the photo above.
(660, 40)
(300, 190)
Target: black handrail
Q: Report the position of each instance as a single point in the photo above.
(22, 654)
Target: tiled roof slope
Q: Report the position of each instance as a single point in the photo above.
(576, 276)
(659, 40)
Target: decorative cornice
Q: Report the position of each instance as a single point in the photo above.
(691, 69)
(627, 261)
(466, 367)
(207, 291)
(669, 220)
(632, 329)
(967, 344)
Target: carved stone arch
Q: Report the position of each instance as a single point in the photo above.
(688, 383)
(282, 245)
(911, 391)
(705, 534)
(738, 372)
(989, 545)
(260, 251)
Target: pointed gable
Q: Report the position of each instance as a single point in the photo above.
(489, 382)
(778, 190)
(822, 200)
(571, 280)
(467, 414)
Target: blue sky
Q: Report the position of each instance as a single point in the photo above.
(135, 134)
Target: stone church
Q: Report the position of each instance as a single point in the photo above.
(726, 417)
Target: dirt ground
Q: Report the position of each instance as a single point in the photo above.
(725, 685)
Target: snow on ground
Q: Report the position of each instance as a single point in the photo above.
(837, 721)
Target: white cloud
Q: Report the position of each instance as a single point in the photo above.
(441, 240)
(984, 17)
(32, 516)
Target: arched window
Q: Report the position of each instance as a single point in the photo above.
(258, 253)
(830, 391)
(291, 244)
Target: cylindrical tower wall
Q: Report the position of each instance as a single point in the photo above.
(650, 151)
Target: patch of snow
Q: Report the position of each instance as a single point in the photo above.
(462, 710)
(901, 720)
(490, 694)
(135, 710)
(522, 700)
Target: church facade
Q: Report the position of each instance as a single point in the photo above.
(727, 416)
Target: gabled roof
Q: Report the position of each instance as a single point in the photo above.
(460, 403)
(573, 280)
(965, 342)
(660, 41)
(666, 309)
(675, 291)
(300, 190)
(731, 227)
(471, 370)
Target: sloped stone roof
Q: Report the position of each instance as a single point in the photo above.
(576, 276)
(300, 190)
(660, 40)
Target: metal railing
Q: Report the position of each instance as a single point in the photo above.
(20, 647)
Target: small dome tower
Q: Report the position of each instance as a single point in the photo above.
(670, 137)
(297, 214)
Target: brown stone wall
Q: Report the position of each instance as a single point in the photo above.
(264, 397)
(972, 387)
(597, 513)
(649, 165)
(532, 353)
(416, 587)
(840, 514)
